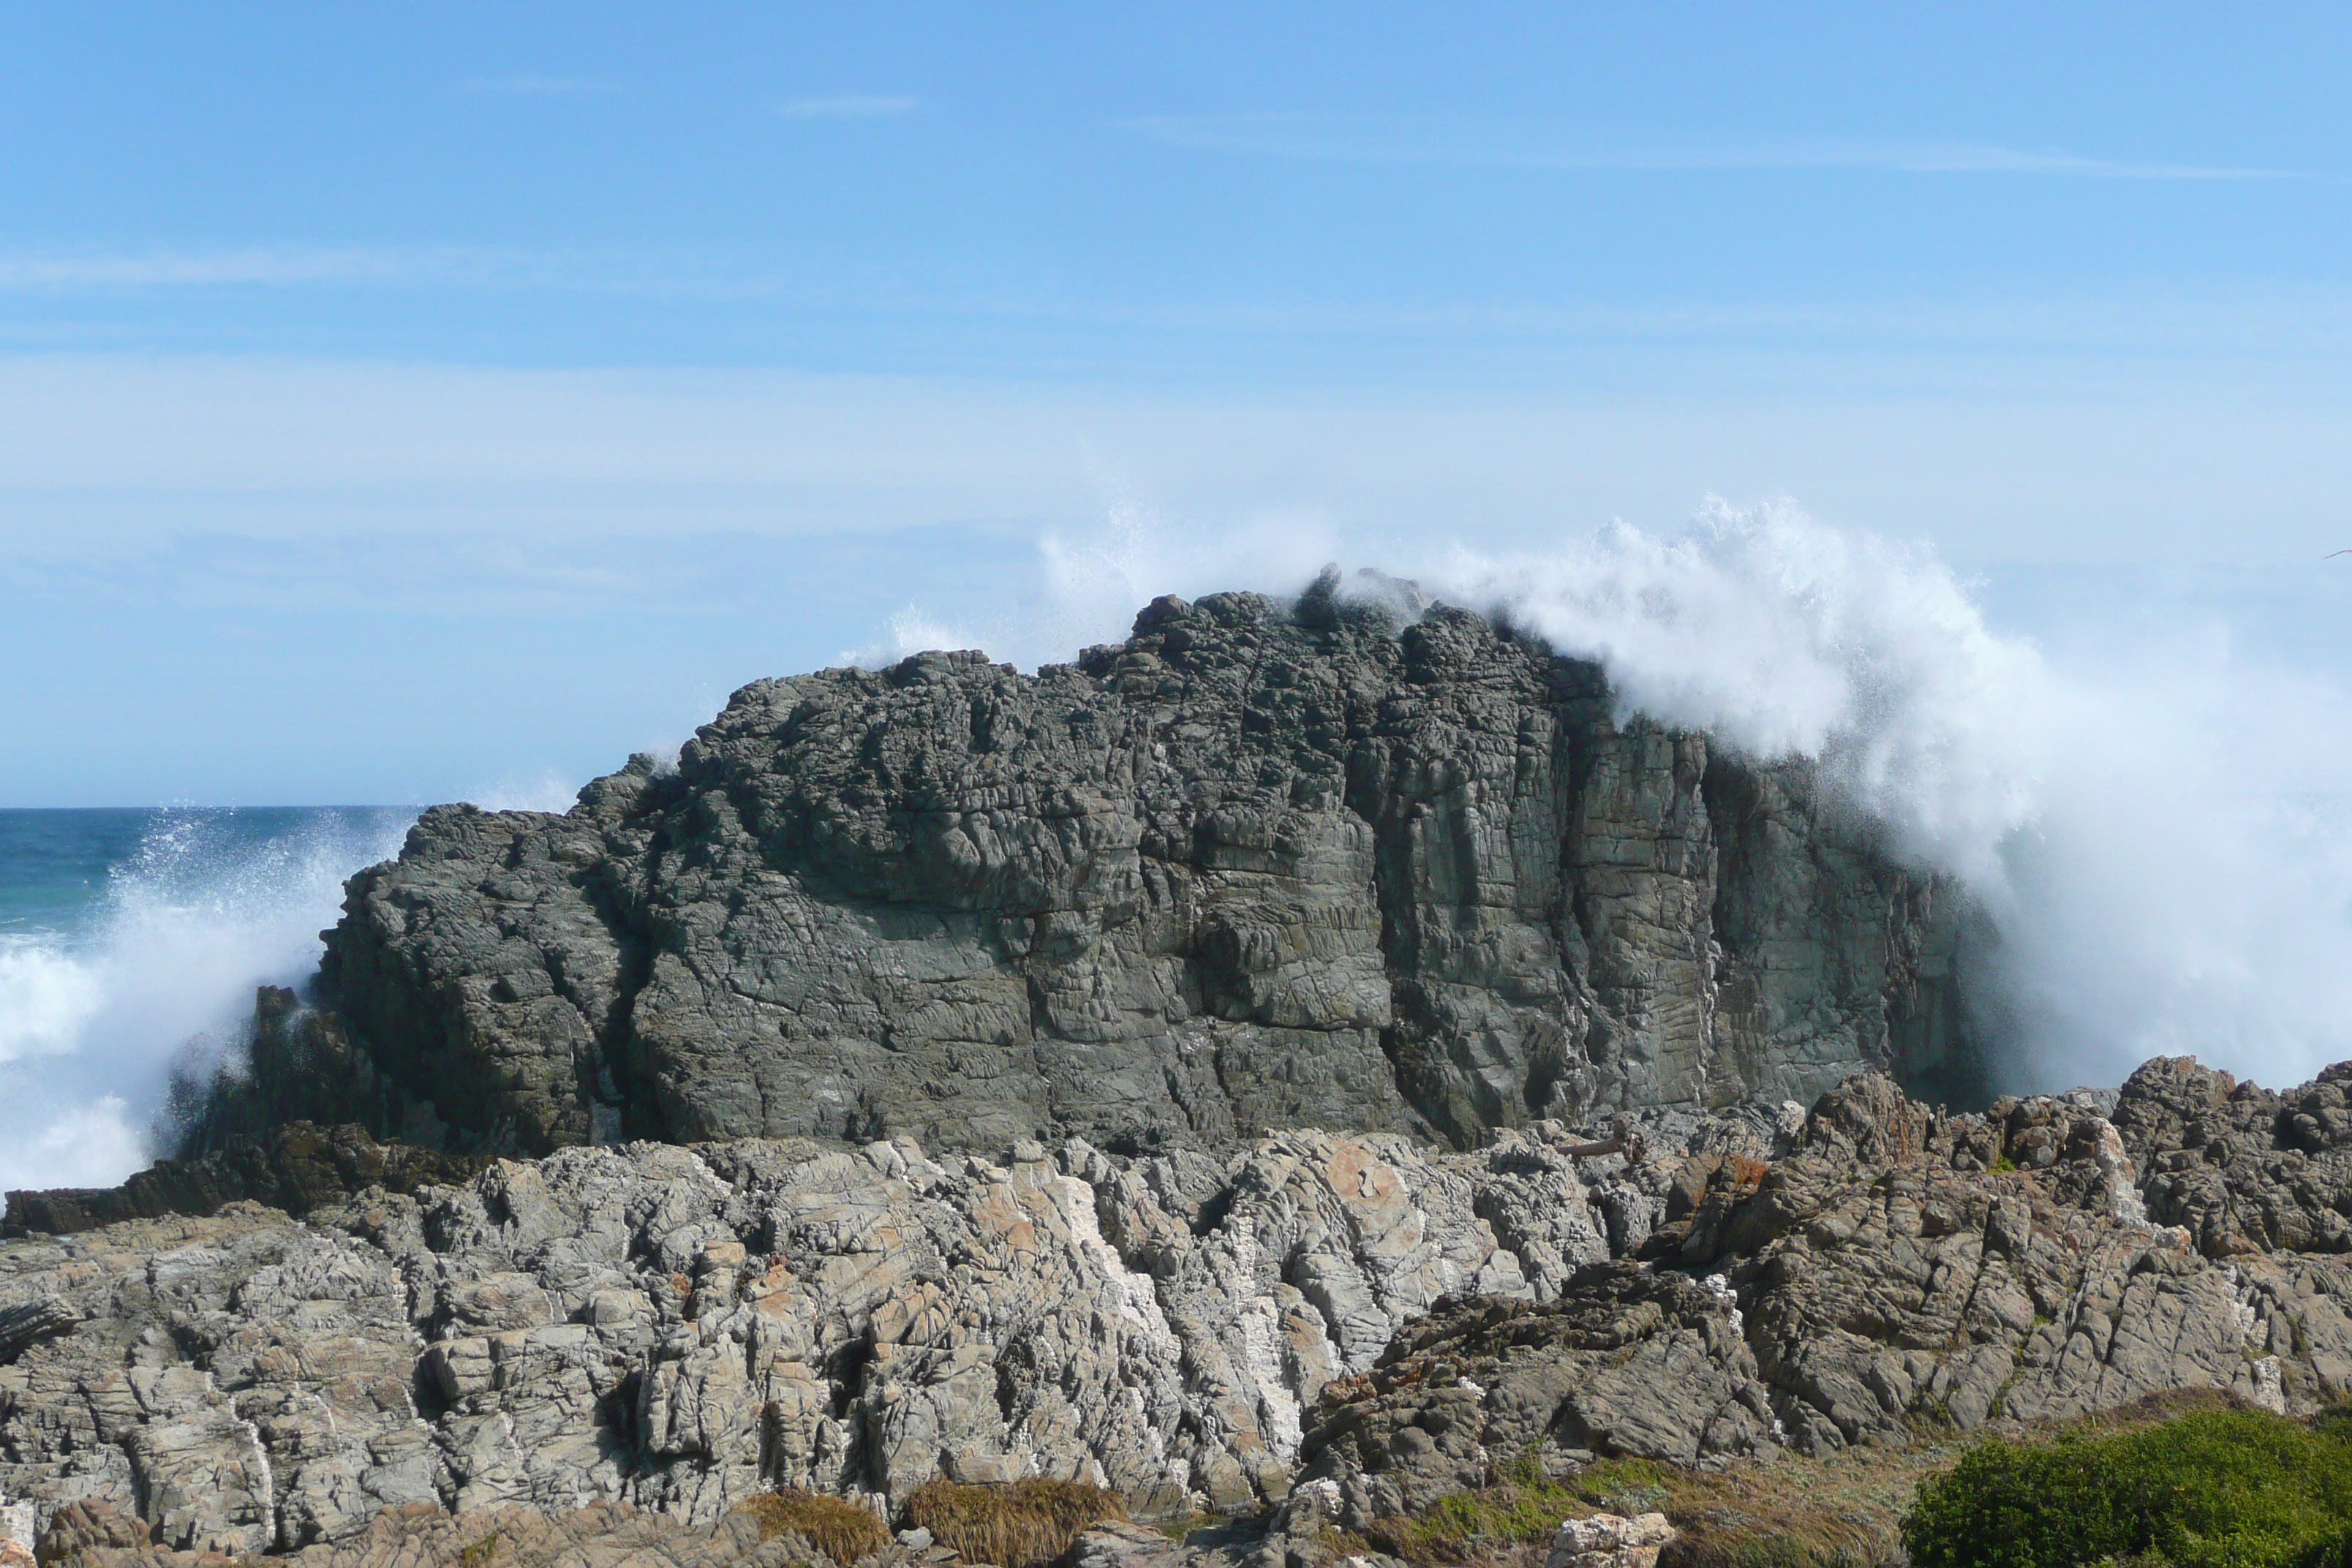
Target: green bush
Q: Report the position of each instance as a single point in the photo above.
(2235, 1489)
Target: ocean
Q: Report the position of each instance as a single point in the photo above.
(131, 942)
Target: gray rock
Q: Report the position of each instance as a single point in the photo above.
(2243, 1169)
(601, 1535)
(1122, 1545)
(674, 1330)
(1611, 1540)
(1897, 1265)
(1261, 866)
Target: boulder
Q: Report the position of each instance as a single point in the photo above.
(1609, 1540)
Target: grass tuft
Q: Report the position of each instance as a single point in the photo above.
(1027, 1524)
(835, 1526)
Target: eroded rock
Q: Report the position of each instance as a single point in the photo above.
(674, 1330)
(1262, 866)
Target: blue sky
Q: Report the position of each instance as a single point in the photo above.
(398, 405)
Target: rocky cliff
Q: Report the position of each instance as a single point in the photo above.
(1358, 1324)
(1261, 866)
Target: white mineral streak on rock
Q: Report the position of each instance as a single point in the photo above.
(2270, 1387)
(2122, 1180)
(1721, 1285)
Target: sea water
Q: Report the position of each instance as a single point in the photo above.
(131, 942)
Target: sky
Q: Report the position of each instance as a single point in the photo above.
(408, 404)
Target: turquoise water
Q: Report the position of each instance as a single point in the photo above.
(130, 941)
(60, 869)
(54, 866)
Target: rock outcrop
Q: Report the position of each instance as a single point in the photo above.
(676, 1330)
(1897, 1265)
(1261, 866)
(295, 1167)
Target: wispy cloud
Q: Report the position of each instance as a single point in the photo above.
(849, 106)
(251, 266)
(97, 270)
(1367, 139)
(534, 85)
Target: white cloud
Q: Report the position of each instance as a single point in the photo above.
(1401, 140)
(849, 106)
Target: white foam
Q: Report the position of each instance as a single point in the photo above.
(46, 998)
(1789, 638)
(91, 1027)
(2161, 835)
(2157, 826)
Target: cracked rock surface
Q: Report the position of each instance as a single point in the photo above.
(674, 1329)
(1262, 866)
(1893, 1266)
(601, 1535)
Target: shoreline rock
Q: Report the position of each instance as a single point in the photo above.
(677, 1329)
(1262, 866)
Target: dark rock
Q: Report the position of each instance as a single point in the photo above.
(297, 1167)
(1254, 868)
(24, 1324)
(298, 1064)
(81, 1527)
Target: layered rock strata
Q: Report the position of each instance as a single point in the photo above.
(1262, 866)
(677, 1328)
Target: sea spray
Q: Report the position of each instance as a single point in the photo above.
(2162, 837)
(95, 1012)
(2158, 826)
(2161, 841)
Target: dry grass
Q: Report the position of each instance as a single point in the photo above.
(1027, 1524)
(841, 1529)
(1841, 1511)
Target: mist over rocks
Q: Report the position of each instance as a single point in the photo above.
(1266, 865)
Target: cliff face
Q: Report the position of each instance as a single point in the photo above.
(1262, 866)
